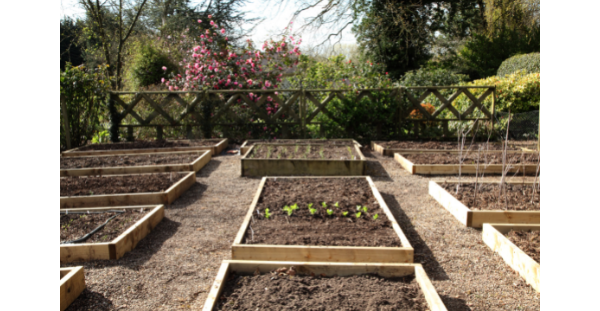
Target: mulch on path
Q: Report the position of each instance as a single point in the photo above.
(174, 267)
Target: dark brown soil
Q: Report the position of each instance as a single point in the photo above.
(316, 152)
(471, 158)
(304, 292)
(127, 160)
(528, 241)
(146, 144)
(302, 141)
(489, 196)
(302, 228)
(74, 226)
(441, 145)
(92, 185)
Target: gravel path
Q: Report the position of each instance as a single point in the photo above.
(175, 265)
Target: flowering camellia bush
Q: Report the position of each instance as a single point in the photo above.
(212, 62)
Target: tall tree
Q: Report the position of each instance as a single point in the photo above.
(71, 49)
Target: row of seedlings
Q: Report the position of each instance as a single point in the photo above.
(110, 201)
(508, 211)
(318, 232)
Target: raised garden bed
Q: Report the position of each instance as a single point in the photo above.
(329, 142)
(501, 239)
(123, 190)
(448, 163)
(120, 235)
(388, 148)
(142, 146)
(315, 235)
(260, 285)
(134, 164)
(490, 206)
(299, 160)
(72, 283)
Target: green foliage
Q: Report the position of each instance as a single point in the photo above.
(484, 54)
(358, 214)
(345, 214)
(329, 212)
(146, 66)
(432, 77)
(267, 213)
(527, 62)
(71, 49)
(83, 92)
(375, 216)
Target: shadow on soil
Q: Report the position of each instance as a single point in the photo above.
(88, 298)
(209, 168)
(455, 304)
(423, 253)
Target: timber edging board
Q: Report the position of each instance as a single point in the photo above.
(125, 199)
(250, 142)
(476, 219)
(242, 251)
(375, 146)
(387, 270)
(494, 237)
(120, 245)
(302, 167)
(72, 283)
(194, 166)
(453, 169)
(215, 149)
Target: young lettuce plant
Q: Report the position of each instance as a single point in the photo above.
(311, 210)
(329, 212)
(344, 214)
(375, 216)
(289, 210)
(267, 213)
(358, 214)
(364, 209)
(337, 204)
(324, 204)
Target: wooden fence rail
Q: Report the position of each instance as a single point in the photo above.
(287, 108)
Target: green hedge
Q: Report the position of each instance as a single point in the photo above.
(147, 66)
(528, 62)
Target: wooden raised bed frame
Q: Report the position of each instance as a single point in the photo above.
(476, 219)
(116, 248)
(375, 146)
(494, 237)
(247, 144)
(195, 166)
(302, 167)
(241, 251)
(215, 149)
(72, 283)
(453, 169)
(387, 270)
(125, 199)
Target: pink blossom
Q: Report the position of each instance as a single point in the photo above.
(249, 81)
(222, 31)
(209, 16)
(199, 21)
(164, 68)
(212, 23)
(162, 80)
(265, 128)
(282, 44)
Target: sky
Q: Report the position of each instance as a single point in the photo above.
(276, 21)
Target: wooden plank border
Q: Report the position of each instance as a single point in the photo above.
(72, 283)
(494, 237)
(302, 167)
(125, 199)
(453, 169)
(476, 219)
(193, 166)
(378, 148)
(242, 251)
(387, 270)
(215, 149)
(117, 247)
(250, 142)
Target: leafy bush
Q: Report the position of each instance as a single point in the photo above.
(83, 92)
(147, 64)
(528, 62)
(432, 77)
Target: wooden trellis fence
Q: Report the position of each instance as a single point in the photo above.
(296, 108)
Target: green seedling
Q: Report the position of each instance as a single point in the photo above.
(289, 210)
(336, 204)
(358, 214)
(358, 207)
(364, 209)
(269, 151)
(350, 150)
(329, 212)
(295, 206)
(324, 204)
(267, 214)
(375, 216)
(344, 214)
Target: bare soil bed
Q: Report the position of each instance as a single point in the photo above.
(303, 228)
(527, 241)
(127, 160)
(302, 152)
(147, 144)
(471, 158)
(489, 196)
(324, 142)
(440, 145)
(75, 226)
(91, 185)
(290, 291)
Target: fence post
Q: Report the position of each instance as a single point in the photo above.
(493, 108)
(303, 112)
(130, 133)
(114, 119)
(400, 119)
(159, 132)
(66, 126)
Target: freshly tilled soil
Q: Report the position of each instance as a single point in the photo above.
(491, 197)
(528, 241)
(440, 145)
(473, 158)
(75, 226)
(311, 152)
(127, 160)
(150, 144)
(94, 185)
